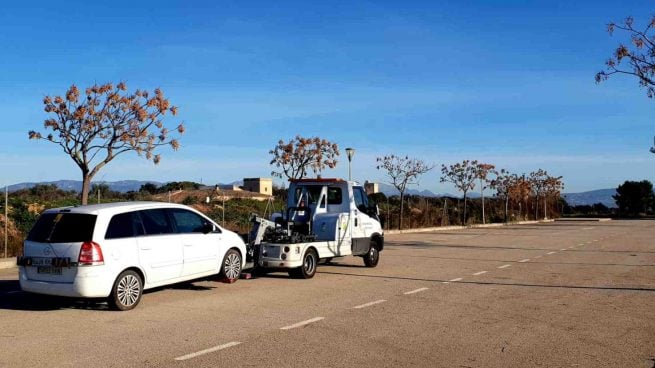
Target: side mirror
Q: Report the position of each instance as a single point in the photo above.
(207, 228)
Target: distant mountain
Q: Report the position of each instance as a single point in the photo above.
(390, 190)
(76, 185)
(603, 196)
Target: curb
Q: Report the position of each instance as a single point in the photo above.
(447, 228)
(6, 263)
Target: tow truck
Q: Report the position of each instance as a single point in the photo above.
(324, 219)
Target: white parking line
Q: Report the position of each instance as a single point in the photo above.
(207, 351)
(303, 323)
(504, 266)
(581, 244)
(537, 257)
(457, 279)
(416, 291)
(524, 260)
(549, 253)
(564, 249)
(369, 304)
(479, 273)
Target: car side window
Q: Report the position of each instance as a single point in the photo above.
(188, 222)
(124, 225)
(156, 222)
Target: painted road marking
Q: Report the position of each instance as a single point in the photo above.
(504, 266)
(369, 304)
(537, 257)
(416, 291)
(549, 253)
(303, 323)
(587, 228)
(207, 351)
(524, 260)
(479, 273)
(564, 249)
(581, 244)
(445, 282)
(457, 279)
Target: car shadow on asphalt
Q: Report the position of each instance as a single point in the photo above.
(13, 298)
(497, 283)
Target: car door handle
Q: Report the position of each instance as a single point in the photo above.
(355, 222)
(188, 245)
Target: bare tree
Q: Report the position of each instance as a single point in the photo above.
(105, 122)
(463, 176)
(296, 157)
(502, 183)
(637, 59)
(402, 171)
(483, 172)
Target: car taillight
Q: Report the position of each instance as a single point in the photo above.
(90, 254)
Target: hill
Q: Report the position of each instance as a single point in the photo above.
(591, 197)
(121, 186)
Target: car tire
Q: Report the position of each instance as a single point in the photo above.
(231, 266)
(372, 258)
(126, 292)
(308, 268)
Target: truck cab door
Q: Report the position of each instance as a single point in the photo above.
(361, 239)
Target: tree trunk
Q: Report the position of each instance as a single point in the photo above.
(482, 196)
(86, 186)
(506, 205)
(402, 200)
(464, 209)
(545, 209)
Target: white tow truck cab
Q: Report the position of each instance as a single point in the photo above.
(325, 218)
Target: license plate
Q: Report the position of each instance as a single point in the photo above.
(49, 270)
(37, 261)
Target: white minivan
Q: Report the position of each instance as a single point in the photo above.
(117, 250)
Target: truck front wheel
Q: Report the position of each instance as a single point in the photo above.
(372, 258)
(308, 268)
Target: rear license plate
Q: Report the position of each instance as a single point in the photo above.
(49, 270)
(38, 261)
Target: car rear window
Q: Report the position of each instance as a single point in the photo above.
(63, 228)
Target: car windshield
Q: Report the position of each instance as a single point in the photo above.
(63, 228)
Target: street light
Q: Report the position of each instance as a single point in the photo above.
(350, 152)
(652, 149)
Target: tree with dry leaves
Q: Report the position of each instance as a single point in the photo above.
(636, 58)
(519, 192)
(462, 175)
(537, 181)
(104, 122)
(403, 171)
(295, 157)
(553, 186)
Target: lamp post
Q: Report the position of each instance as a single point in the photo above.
(350, 152)
(652, 149)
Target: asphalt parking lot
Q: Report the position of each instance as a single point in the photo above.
(578, 294)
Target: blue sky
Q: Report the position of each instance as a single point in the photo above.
(506, 82)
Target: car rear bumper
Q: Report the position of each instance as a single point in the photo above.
(84, 285)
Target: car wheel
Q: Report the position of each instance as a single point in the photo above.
(231, 267)
(372, 258)
(126, 292)
(308, 268)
